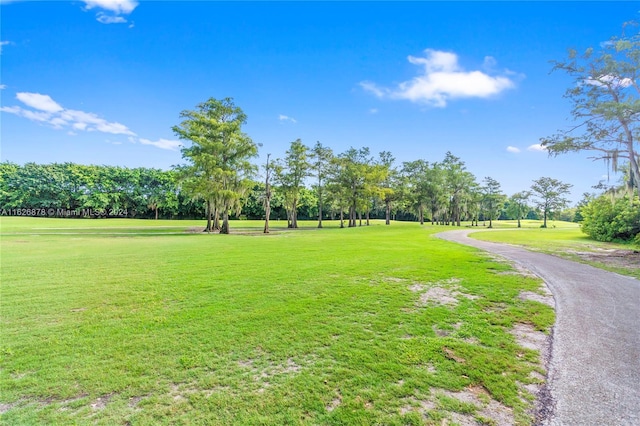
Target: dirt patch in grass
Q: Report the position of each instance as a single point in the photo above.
(335, 403)
(611, 257)
(440, 293)
(471, 406)
(101, 402)
(543, 296)
(530, 338)
(6, 407)
(262, 373)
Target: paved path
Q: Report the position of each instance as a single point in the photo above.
(594, 372)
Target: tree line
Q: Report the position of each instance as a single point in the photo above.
(307, 183)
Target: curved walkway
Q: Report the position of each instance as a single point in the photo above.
(594, 371)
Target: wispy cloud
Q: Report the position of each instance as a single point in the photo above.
(443, 79)
(373, 111)
(162, 144)
(46, 110)
(607, 80)
(43, 109)
(3, 43)
(3, 86)
(513, 149)
(536, 147)
(38, 101)
(283, 117)
(112, 10)
(107, 19)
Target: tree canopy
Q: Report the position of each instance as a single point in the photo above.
(606, 104)
(219, 155)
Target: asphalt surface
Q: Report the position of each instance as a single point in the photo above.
(594, 370)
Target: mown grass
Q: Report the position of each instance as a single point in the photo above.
(566, 240)
(123, 322)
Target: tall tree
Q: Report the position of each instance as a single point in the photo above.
(519, 205)
(388, 184)
(492, 198)
(606, 104)
(320, 165)
(350, 180)
(457, 181)
(415, 180)
(549, 195)
(267, 195)
(290, 174)
(219, 154)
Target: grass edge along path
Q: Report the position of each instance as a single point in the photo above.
(566, 240)
(371, 325)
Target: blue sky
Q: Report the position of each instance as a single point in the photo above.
(103, 81)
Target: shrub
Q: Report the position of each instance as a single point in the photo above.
(607, 219)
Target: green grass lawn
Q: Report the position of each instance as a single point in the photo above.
(565, 239)
(151, 322)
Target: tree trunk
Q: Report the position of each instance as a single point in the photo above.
(421, 215)
(225, 222)
(341, 218)
(388, 213)
(294, 214)
(267, 213)
(518, 222)
(156, 209)
(352, 216)
(216, 219)
(360, 218)
(544, 224)
(208, 228)
(320, 211)
(368, 218)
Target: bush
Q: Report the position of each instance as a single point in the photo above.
(612, 220)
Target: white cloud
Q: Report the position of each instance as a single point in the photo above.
(609, 80)
(513, 149)
(3, 43)
(46, 110)
(38, 101)
(536, 147)
(489, 63)
(162, 143)
(3, 86)
(107, 19)
(373, 111)
(442, 80)
(116, 6)
(282, 117)
(371, 87)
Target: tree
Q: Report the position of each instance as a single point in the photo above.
(550, 195)
(321, 159)
(519, 205)
(350, 181)
(415, 179)
(388, 184)
(219, 156)
(158, 190)
(267, 195)
(457, 181)
(492, 198)
(290, 174)
(606, 104)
